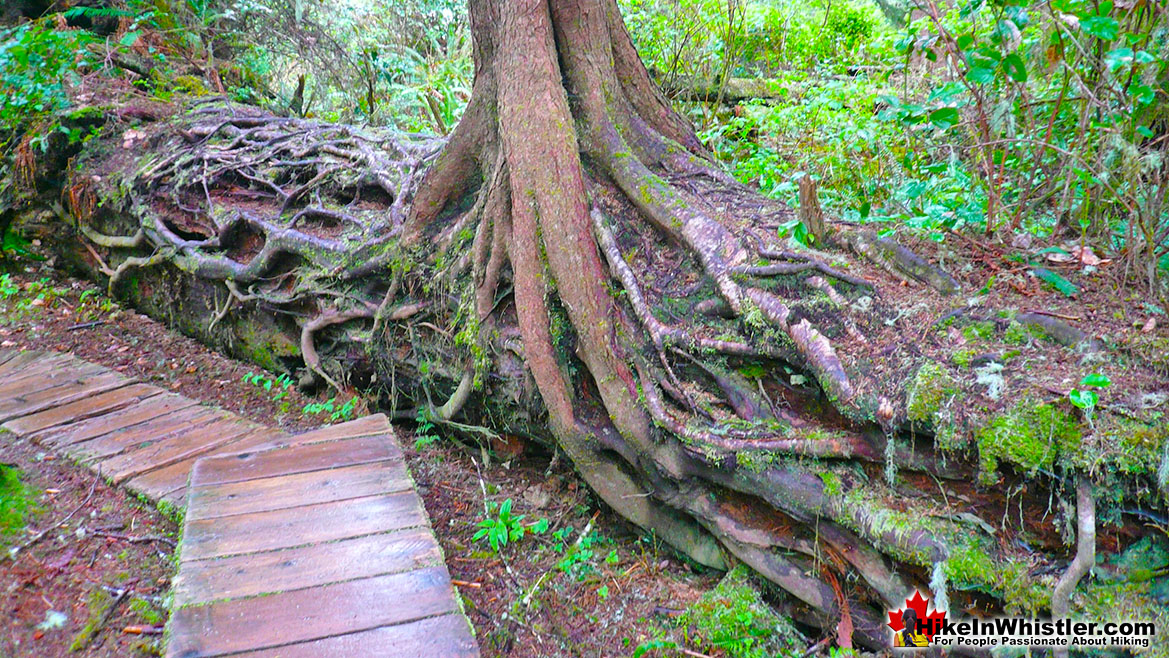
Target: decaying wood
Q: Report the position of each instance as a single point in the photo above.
(571, 267)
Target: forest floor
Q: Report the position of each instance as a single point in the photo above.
(588, 586)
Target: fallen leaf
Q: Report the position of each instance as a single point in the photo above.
(1150, 325)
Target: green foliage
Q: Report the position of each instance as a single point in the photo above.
(342, 413)
(8, 287)
(500, 526)
(734, 619)
(424, 432)
(36, 62)
(277, 389)
(579, 556)
(1087, 398)
(16, 503)
(1031, 436)
(1003, 117)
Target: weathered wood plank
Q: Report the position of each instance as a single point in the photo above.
(180, 446)
(93, 428)
(13, 359)
(45, 373)
(298, 489)
(27, 361)
(58, 395)
(82, 409)
(156, 429)
(447, 636)
(375, 424)
(169, 483)
(309, 614)
(6, 355)
(241, 576)
(298, 458)
(298, 526)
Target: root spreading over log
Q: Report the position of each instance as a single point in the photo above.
(570, 266)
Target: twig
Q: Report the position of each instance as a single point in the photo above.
(85, 325)
(135, 540)
(41, 535)
(91, 632)
(1058, 315)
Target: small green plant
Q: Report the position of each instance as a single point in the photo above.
(501, 528)
(278, 388)
(579, 557)
(8, 288)
(1088, 398)
(424, 435)
(336, 413)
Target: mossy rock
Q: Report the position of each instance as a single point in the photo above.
(734, 618)
(1030, 436)
(1134, 447)
(931, 390)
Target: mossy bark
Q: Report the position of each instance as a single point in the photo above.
(572, 267)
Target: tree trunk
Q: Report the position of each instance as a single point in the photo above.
(571, 266)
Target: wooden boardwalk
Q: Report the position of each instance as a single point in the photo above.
(314, 544)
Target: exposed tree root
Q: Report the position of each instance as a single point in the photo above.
(571, 266)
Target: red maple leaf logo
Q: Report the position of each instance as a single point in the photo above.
(931, 623)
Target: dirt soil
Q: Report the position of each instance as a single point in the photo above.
(546, 595)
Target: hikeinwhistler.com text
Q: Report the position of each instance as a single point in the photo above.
(1020, 632)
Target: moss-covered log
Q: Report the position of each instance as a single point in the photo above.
(572, 267)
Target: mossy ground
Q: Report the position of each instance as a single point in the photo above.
(734, 619)
(1031, 436)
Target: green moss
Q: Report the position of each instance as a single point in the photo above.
(99, 604)
(1017, 334)
(17, 500)
(734, 619)
(947, 436)
(755, 461)
(1130, 445)
(1030, 436)
(962, 358)
(189, 84)
(970, 567)
(932, 388)
(978, 331)
(146, 611)
(832, 484)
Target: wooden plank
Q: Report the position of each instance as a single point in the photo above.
(21, 360)
(43, 364)
(298, 489)
(5, 357)
(263, 438)
(375, 424)
(447, 636)
(309, 614)
(241, 576)
(169, 483)
(159, 484)
(147, 410)
(43, 374)
(295, 459)
(82, 409)
(156, 429)
(177, 447)
(59, 395)
(298, 526)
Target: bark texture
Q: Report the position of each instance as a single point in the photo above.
(571, 266)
